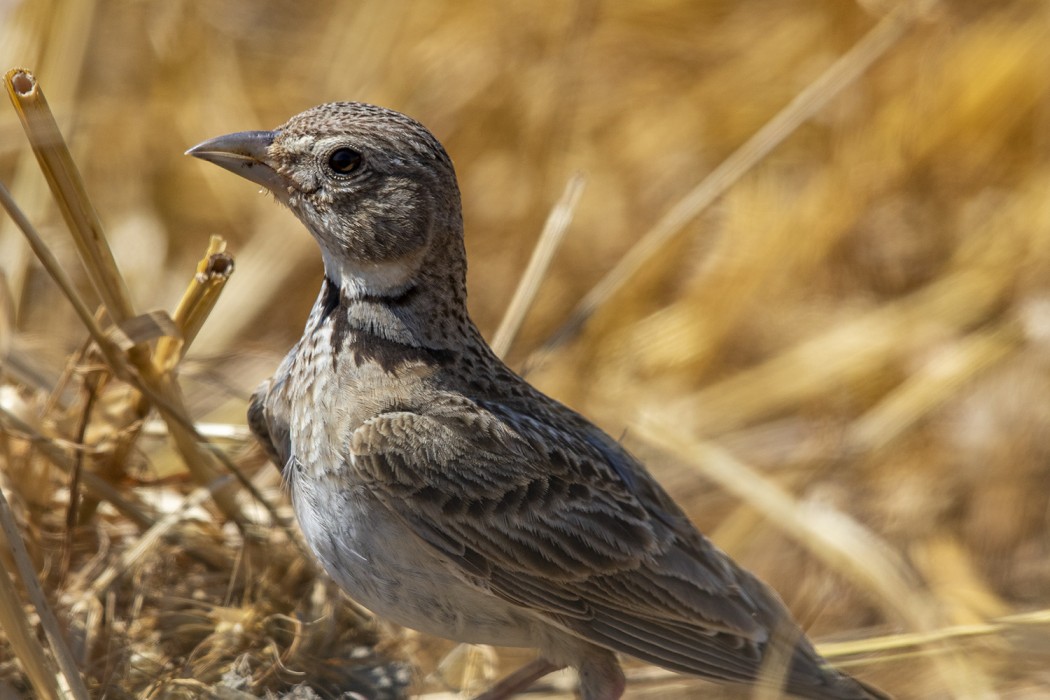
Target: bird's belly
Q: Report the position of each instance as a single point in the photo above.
(383, 566)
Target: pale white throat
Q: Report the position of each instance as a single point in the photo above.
(359, 280)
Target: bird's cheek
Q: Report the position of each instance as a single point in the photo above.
(299, 187)
(311, 205)
(284, 194)
(298, 204)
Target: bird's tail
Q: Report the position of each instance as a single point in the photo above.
(871, 691)
(836, 685)
(811, 677)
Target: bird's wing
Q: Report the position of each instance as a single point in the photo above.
(541, 518)
(268, 421)
(257, 422)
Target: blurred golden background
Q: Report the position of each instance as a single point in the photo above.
(839, 367)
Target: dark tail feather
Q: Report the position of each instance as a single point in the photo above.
(835, 685)
(871, 691)
(841, 687)
(812, 677)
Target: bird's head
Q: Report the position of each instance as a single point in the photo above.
(373, 186)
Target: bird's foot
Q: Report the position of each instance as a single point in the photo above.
(519, 680)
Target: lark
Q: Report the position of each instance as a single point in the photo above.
(440, 489)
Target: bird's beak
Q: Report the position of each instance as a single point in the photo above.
(244, 153)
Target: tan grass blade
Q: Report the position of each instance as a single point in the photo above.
(937, 382)
(844, 353)
(19, 634)
(231, 432)
(72, 684)
(62, 175)
(553, 232)
(43, 253)
(776, 664)
(812, 99)
(875, 650)
(894, 642)
(54, 37)
(126, 504)
(7, 321)
(840, 542)
(200, 455)
(197, 303)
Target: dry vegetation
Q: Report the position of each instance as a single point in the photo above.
(838, 361)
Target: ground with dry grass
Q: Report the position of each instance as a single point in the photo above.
(830, 342)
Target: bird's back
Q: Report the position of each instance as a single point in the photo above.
(609, 556)
(686, 606)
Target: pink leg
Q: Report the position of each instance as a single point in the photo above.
(601, 677)
(519, 680)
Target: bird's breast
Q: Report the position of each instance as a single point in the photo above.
(380, 563)
(337, 380)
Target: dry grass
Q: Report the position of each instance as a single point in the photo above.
(831, 346)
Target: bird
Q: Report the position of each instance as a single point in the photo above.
(440, 489)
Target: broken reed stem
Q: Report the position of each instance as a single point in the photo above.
(68, 188)
(812, 99)
(197, 303)
(159, 390)
(70, 683)
(213, 271)
(553, 233)
(204, 289)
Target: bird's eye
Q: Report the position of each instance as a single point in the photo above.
(344, 160)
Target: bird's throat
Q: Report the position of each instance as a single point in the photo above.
(399, 316)
(370, 279)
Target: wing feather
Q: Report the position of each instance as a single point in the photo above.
(548, 524)
(270, 428)
(564, 522)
